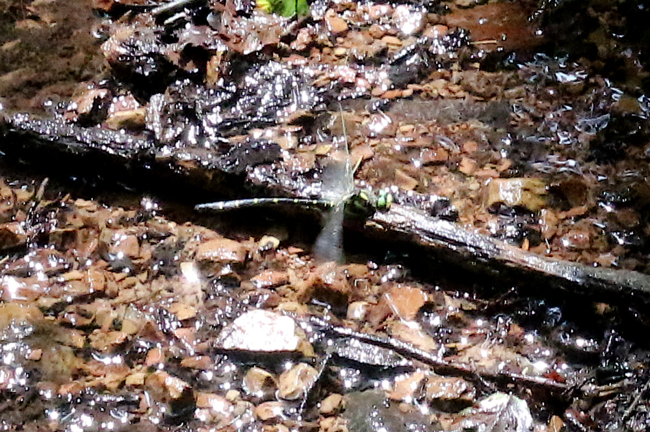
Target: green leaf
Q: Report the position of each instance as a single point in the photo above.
(286, 8)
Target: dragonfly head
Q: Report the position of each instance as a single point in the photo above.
(364, 204)
(384, 200)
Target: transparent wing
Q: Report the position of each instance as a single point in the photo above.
(338, 187)
(329, 244)
(337, 184)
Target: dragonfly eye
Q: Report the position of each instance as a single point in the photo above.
(384, 200)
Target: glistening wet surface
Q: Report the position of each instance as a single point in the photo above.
(526, 124)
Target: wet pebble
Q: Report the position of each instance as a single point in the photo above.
(335, 24)
(407, 387)
(125, 245)
(449, 393)
(358, 310)
(332, 404)
(259, 383)
(379, 10)
(270, 279)
(405, 301)
(296, 382)
(222, 250)
(261, 331)
(267, 411)
(164, 386)
(12, 234)
(522, 192)
(408, 21)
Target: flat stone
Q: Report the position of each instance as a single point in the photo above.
(260, 331)
(222, 250)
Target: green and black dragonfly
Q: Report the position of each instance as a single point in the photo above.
(339, 197)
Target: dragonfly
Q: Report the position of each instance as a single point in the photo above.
(340, 199)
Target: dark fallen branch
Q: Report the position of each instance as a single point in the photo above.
(200, 174)
(440, 365)
(451, 242)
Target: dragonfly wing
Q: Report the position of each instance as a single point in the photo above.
(329, 244)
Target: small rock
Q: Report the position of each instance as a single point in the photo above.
(379, 10)
(12, 234)
(436, 32)
(165, 386)
(269, 411)
(431, 156)
(358, 310)
(259, 383)
(104, 341)
(449, 393)
(154, 357)
(411, 332)
(335, 24)
(408, 21)
(222, 250)
(332, 404)
(214, 409)
(407, 387)
(296, 382)
(125, 245)
(261, 331)
(467, 165)
(197, 362)
(135, 379)
(555, 424)
(182, 311)
(270, 279)
(392, 40)
(213, 401)
(327, 284)
(377, 31)
(405, 301)
(517, 192)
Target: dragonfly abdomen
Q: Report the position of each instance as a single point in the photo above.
(256, 202)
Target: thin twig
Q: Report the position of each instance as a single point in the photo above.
(173, 6)
(635, 402)
(443, 366)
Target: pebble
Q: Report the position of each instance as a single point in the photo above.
(377, 31)
(358, 310)
(429, 156)
(523, 192)
(259, 383)
(405, 301)
(125, 244)
(407, 20)
(392, 40)
(222, 250)
(270, 279)
(197, 362)
(165, 386)
(269, 410)
(335, 24)
(436, 32)
(407, 387)
(261, 331)
(332, 404)
(443, 390)
(377, 11)
(296, 382)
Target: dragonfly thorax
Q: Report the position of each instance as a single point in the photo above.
(364, 203)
